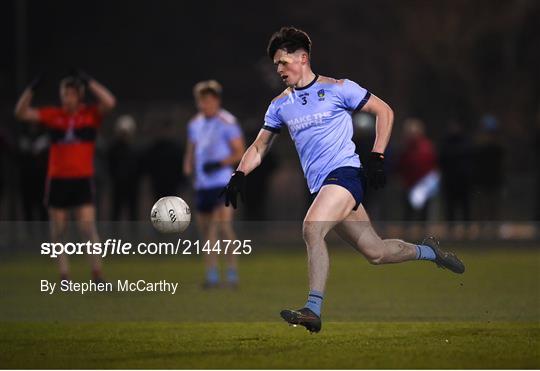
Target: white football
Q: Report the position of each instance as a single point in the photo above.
(170, 214)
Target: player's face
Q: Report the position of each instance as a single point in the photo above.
(290, 65)
(70, 97)
(208, 105)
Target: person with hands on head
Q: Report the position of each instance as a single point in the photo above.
(215, 144)
(72, 128)
(317, 111)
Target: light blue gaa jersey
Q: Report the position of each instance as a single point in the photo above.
(319, 120)
(211, 137)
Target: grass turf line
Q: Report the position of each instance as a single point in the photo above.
(270, 345)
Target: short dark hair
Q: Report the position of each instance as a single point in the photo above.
(290, 39)
(74, 83)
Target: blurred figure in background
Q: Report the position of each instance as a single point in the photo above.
(537, 165)
(417, 167)
(73, 130)
(455, 162)
(215, 144)
(9, 174)
(33, 157)
(489, 156)
(4, 145)
(159, 161)
(124, 169)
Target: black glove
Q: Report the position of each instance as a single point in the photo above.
(212, 166)
(237, 184)
(375, 170)
(35, 82)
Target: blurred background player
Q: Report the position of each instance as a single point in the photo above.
(417, 159)
(215, 145)
(72, 129)
(33, 153)
(489, 162)
(417, 166)
(125, 170)
(167, 151)
(456, 164)
(317, 112)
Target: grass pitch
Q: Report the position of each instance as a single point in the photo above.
(270, 345)
(410, 315)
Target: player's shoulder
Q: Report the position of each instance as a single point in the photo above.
(227, 117)
(333, 82)
(330, 81)
(195, 119)
(285, 93)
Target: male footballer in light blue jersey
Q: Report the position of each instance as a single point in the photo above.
(317, 111)
(215, 145)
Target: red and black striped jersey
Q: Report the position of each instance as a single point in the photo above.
(73, 138)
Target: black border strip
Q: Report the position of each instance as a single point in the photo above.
(272, 129)
(363, 101)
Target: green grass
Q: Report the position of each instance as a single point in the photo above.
(409, 315)
(270, 345)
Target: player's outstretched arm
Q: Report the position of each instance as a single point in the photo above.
(256, 151)
(251, 159)
(23, 109)
(384, 120)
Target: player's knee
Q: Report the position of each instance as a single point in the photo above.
(374, 257)
(58, 233)
(226, 228)
(313, 232)
(87, 230)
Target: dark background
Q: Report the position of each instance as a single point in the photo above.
(433, 60)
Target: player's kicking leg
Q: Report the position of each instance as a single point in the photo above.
(331, 209)
(356, 229)
(331, 206)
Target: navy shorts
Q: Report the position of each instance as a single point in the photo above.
(208, 199)
(350, 178)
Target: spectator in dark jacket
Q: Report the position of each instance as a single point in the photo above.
(124, 169)
(489, 156)
(455, 161)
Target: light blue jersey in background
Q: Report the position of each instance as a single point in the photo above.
(319, 120)
(211, 137)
